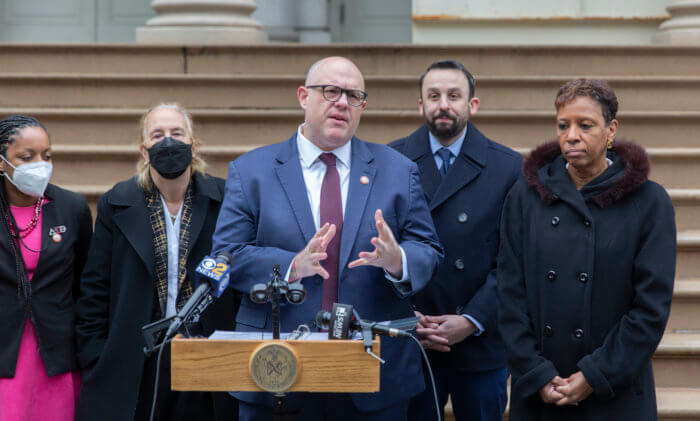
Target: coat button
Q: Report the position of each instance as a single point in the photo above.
(583, 277)
(578, 333)
(551, 275)
(548, 330)
(459, 264)
(555, 221)
(462, 217)
(587, 223)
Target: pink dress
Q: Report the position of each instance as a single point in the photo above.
(31, 395)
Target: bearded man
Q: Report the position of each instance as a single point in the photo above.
(465, 177)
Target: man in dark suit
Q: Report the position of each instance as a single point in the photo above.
(466, 177)
(346, 218)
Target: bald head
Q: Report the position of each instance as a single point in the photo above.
(330, 124)
(319, 69)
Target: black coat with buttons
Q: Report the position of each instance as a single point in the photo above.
(585, 282)
(466, 208)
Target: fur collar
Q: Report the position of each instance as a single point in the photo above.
(633, 156)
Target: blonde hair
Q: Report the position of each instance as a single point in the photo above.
(143, 174)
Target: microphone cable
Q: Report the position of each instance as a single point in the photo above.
(430, 371)
(155, 386)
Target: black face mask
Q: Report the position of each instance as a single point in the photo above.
(170, 157)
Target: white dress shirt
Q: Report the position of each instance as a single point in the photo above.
(172, 231)
(313, 170)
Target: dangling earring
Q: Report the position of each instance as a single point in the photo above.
(610, 144)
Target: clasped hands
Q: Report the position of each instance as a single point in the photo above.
(386, 253)
(440, 332)
(569, 391)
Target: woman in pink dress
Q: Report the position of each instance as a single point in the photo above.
(44, 236)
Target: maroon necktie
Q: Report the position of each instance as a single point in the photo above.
(331, 212)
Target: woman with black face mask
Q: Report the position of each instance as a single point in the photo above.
(151, 232)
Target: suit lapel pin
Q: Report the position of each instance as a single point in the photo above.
(364, 180)
(55, 233)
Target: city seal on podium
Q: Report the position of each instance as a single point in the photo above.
(274, 366)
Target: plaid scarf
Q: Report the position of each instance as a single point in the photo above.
(160, 247)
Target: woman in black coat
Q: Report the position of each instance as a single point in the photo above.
(150, 234)
(44, 237)
(585, 269)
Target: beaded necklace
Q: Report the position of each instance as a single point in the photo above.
(23, 232)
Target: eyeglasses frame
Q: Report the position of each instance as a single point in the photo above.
(342, 91)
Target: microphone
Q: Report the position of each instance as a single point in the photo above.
(343, 319)
(212, 275)
(262, 293)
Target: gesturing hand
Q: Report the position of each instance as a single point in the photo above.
(386, 254)
(307, 262)
(549, 393)
(574, 390)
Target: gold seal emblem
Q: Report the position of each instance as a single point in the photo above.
(274, 367)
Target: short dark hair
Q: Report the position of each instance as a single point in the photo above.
(12, 125)
(596, 89)
(450, 65)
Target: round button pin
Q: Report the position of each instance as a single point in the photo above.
(364, 179)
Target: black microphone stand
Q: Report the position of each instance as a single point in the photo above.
(272, 293)
(279, 408)
(275, 285)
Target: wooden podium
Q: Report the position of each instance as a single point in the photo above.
(241, 365)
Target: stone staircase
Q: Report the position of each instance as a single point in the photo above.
(91, 96)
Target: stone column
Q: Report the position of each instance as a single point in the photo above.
(684, 26)
(279, 19)
(313, 22)
(202, 22)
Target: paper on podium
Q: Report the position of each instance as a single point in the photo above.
(263, 336)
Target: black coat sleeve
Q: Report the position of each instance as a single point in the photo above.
(530, 369)
(483, 305)
(632, 342)
(92, 308)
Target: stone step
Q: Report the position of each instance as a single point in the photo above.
(684, 317)
(75, 163)
(518, 129)
(677, 360)
(260, 91)
(678, 403)
(91, 58)
(688, 256)
(393, 60)
(676, 169)
(687, 205)
(388, 60)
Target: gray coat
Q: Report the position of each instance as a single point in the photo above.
(585, 282)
